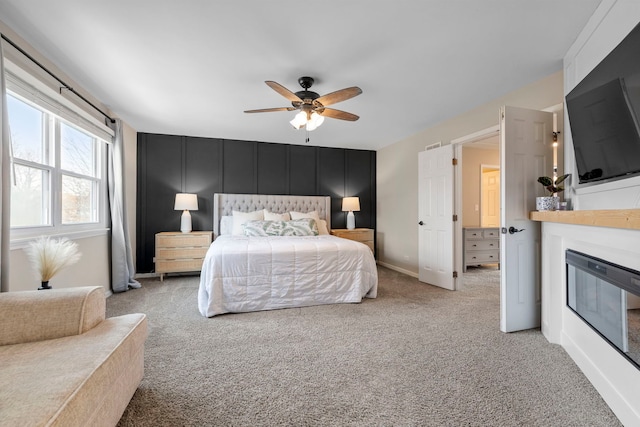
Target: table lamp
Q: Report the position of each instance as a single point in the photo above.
(350, 204)
(186, 202)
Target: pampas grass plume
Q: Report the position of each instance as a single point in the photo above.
(49, 256)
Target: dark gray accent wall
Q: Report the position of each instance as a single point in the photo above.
(170, 164)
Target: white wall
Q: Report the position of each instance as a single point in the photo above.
(397, 169)
(93, 268)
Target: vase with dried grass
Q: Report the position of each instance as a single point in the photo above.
(49, 256)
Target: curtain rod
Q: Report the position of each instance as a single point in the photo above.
(64, 85)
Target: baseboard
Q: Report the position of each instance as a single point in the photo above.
(398, 269)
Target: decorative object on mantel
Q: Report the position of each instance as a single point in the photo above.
(49, 256)
(550, 203)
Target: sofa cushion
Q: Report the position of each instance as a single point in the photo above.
(85, 379)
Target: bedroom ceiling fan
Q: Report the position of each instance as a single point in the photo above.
(312, 106)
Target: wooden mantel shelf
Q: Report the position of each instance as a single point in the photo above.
(616, 218)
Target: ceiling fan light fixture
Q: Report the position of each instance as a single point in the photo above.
(314, 121)
(299, 120)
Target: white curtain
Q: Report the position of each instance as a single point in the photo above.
(5, 181)
(122, 269)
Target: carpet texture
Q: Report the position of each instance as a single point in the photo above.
(415, 356)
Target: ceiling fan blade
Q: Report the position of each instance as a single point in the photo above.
(339, 95)
(283, 91)
(337, 114)
(268, 110)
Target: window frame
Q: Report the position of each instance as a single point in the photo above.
(58, 110)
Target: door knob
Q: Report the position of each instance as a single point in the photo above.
(513, 230)
(421, 223)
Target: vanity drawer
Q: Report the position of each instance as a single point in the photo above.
(482, 244)
(483, 257)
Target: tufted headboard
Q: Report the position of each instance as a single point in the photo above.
(225, 204)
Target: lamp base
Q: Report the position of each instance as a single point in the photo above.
(185, 222)
(351, 221)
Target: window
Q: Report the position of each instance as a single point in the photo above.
(58, 171)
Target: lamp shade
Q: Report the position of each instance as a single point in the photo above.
(350, 204)
(186, 201)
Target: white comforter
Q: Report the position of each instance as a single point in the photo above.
(242, 274)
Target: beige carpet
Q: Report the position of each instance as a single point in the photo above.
(415, 356)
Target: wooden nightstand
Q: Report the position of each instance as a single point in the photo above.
(180, 252)
(363, 235)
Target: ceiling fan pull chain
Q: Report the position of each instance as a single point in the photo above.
(307, 138)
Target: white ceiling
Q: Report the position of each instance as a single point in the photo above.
(191, 67)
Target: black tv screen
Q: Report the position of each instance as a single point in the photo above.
(603, 115)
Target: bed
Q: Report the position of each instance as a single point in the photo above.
(244, 273)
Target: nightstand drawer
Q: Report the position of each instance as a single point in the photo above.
(180, 253)
(186, 240)
(178, 265)
(359, 235)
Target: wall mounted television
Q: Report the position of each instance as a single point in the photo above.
(603, 115)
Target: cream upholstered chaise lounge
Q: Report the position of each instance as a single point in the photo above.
(62, 363)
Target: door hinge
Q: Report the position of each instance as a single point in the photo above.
(455, 217)
(455, 274)
(454, 161)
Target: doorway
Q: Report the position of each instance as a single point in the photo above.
(477, 201)
(527, 155)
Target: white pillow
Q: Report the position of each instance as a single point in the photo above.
(321, 223)
(300, 215)
(226, 225)
(272, 216)
(240, 218)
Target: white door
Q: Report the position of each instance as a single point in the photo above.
(490, 198)
(435, 217)
(525, 152)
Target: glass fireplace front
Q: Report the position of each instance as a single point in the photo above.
(607, 297)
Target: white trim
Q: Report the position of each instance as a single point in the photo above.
(31, 86)
(22, 243)
(477, 136)
(398, 269)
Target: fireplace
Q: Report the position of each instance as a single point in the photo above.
(606, 297)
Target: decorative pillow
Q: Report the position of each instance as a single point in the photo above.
(272, 216)
(296, 227)
(322, 227)
(226, 225)
(321, 223)
(240, 218)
